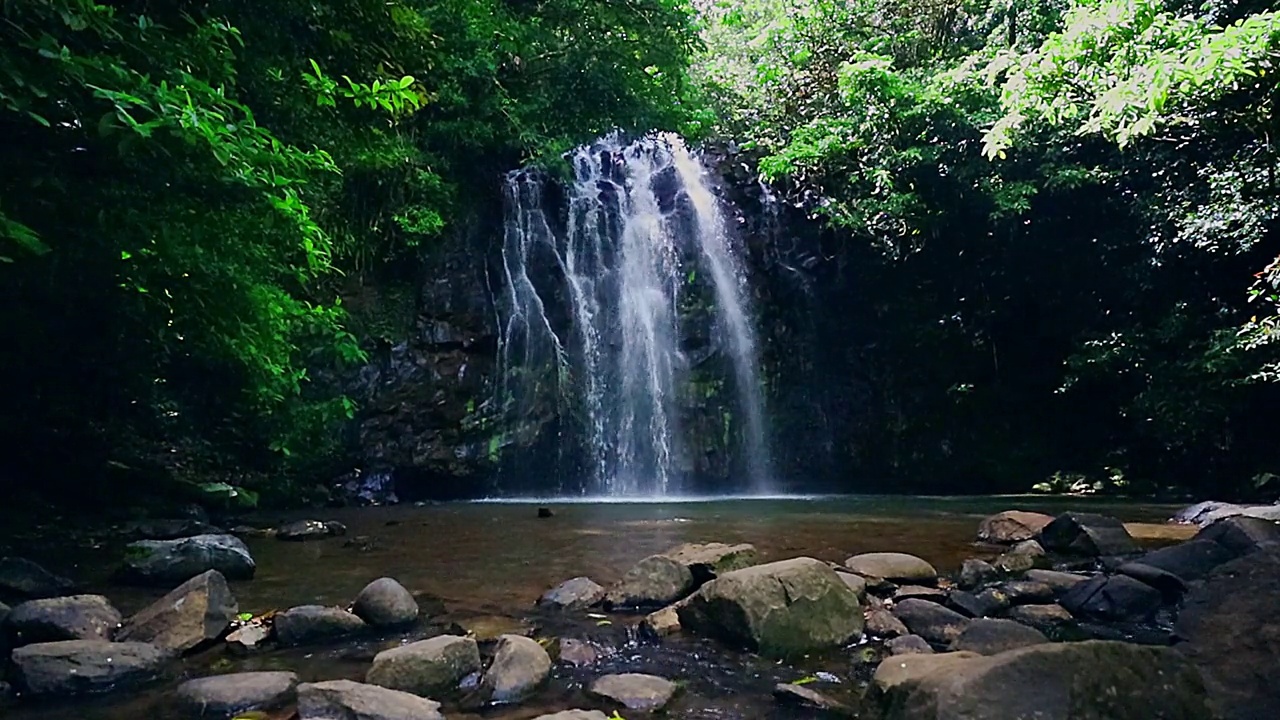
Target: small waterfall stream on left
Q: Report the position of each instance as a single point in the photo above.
(625, 307)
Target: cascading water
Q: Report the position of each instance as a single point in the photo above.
(606, 301)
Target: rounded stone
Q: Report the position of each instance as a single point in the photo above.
(898, 567)
(385, 603)
(225, 696)
(635, 691)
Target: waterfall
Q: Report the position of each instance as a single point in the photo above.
(618, 300)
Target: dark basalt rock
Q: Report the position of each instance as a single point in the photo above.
(1116, 598)
(1242, 535)
(930, 620)
(21, 579)
(1087, 534)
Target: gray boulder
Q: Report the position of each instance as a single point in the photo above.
(1242, 535)
(856, 582)
(1232, 633)
(175, 561)
(577, 593)
(781, 609)
(908, 645)
(1012, 526)
(1118, 598)
(196, 612)
(1059, 582)
(77, 617)
(988, 636)
(21, 579)
(633, 691)
(1022, 557)
(385, 603)
(227, 696)
(930, 620)
(895, 567)
(1189, 561)
(653, 582)
(347, 700)
(315, 623)
(1087, 534)
(975, 573)
(707, 561)
(520, 667)
(435, 665)
(1093, 680)
(84, 667)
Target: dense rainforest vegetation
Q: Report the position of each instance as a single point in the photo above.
(1061, 214)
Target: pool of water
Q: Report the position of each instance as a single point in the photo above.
(494, 558)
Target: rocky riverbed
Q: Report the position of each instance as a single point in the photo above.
(1064, 615)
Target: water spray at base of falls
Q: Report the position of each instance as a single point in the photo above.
(614, 299)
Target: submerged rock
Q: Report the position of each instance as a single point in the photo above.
(634, 691)
(520, 667)
(781, 609)
(76, 617)
(577, 653)
(175, 561)
(809, 699)
(1232, 633)
(988, 636)
(1087, 534)
(303, 530)
(347, 700)
(1054, 681)
(315, 623)
(227, 696)
(653, 582)
(930, 620)
(84, 667)
(385, 603)
(21, 579)
(426, 667)
(1012, 526)
(170, 529)
(895, 567)
(577, 593)
(197, 611)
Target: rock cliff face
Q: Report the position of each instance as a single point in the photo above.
(433, 414)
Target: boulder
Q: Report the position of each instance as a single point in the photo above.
(520, 667)
(228, 696)
(577, 593)
(302, 530)
(1045, 618)
(1232, 633)
(1012, 526)
(1242, 535)
(856, 583)
(315, 623)
(1118, 598)
(574, 715)
(1261, 512)
(1087, 534)
(1059, 582)
(633, 691)
(908, 645)
(909, 667)
(1053, 681)
(975, 573)
(882, 624)
(707, 561)
(895, 567)
(780, 609)
(988, 636)
(1022, 557)
(21, 579)
(1191, 560)
(175, 561)
(76, 617)
(196, 612)
(930, 620)
(653, 582)
(809, 699)
(1203, 513)
(1170, 586)
(84, 667)
(435, 665)
(169, 529)
(347, 700)
(970, 605)
(1026, 592)
(385, 603)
